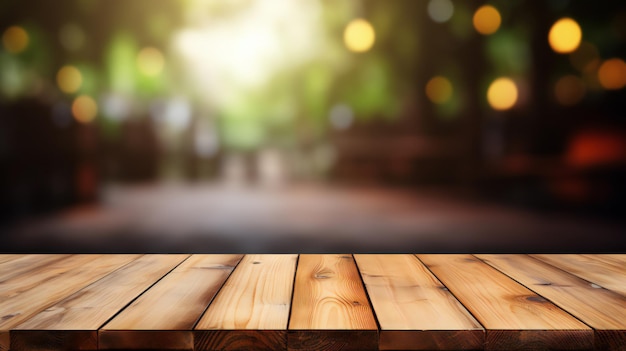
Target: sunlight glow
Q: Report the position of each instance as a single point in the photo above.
(359, 35)
(224, 59)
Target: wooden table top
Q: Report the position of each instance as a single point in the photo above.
(313, 302)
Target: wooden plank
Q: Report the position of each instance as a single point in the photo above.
(251, 310)
(73, 322)
(608, 271)
(22, 265)
(58, 280)
(514, 317)
(415, 311)
(164, 316)
(9, 257)
(330, 309)
(602, 309)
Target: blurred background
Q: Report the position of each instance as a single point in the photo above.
(312, 126)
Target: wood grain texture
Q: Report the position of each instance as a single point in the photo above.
(61, 279)
(254, 300)
(415, 311)
(599, 308)
(47, 340)
(88, 309)
(173, 304)
(608, 271)
(145, 340)
(514, 317)
(21, 266)
(9, 257)
(329, 295)
(244, 340)
(332, 340)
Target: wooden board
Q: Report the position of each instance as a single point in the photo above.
(514, 317)
(415, 311)
(74, 321)
(57, 281)
(599, 308)
(608, 271)
(9, 257)
(252, 309)
(164, 316)
(25, 264)
(330, 309)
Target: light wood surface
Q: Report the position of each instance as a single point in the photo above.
(329, 295)
(175, 303)
(312, 302)
(21, 266)
(85, 311)
(415, 311)
(256, 297)
(510, 312)
(10, 257)
(599, 308)
(608, 271)
(57, 281)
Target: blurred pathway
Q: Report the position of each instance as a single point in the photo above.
(210, 218)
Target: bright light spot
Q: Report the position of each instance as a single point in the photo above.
(440, 10)
(341, 116)
(565, 36)
(612, 74)
(69, 79)
(439, 90)
(72, 37)
(15, 39)
(150, 61)
(502, 94)
(84, 109)
(569, 90)
(224, 59)
(584, 55)
(487, 20)
(359, 35)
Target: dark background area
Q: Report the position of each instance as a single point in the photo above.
(250, 127)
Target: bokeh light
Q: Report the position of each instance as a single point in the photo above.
(439, 90)
(150, 61)
(84, 109)
(565, 36)
(15, 39)
(359, 35)
(612, 74)
(69, 79)
(440, 11)
(569, 90)
(502, 94)
(487, 20)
